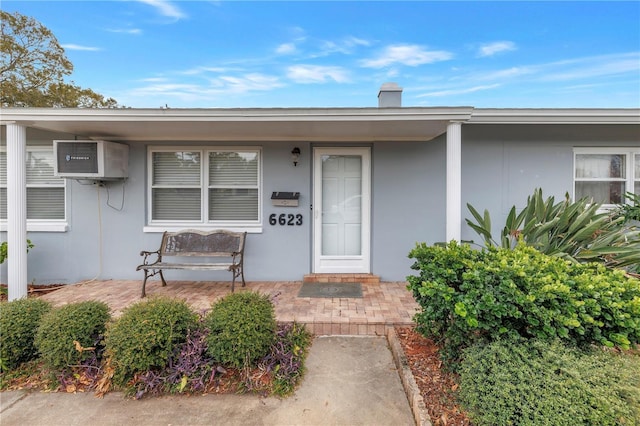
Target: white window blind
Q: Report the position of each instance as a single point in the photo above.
(230, 195)
(45, 203)
(233, 186)
(176, 168)
(45, 192)
(176, 193)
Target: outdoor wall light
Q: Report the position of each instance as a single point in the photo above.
(295, 155)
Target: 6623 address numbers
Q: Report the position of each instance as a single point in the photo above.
(285, 219)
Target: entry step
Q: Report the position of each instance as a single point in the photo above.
(342, 278)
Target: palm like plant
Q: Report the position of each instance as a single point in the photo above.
(575, 231)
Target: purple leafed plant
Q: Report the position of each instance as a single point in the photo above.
(286, 358)
(190, 369)
(90, 368)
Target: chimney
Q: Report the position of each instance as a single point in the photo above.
(390, 96)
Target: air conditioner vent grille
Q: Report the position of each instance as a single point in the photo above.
(79, 157)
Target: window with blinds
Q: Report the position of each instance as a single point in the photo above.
(606, 174)
(45, 192)
(205, 186)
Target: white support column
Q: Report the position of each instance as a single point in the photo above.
(17, 210)
(454, 182)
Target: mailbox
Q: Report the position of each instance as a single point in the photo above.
(285, 199)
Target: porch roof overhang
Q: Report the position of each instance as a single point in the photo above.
(567, 116)
(261, 124)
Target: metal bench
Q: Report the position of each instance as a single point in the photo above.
(197, 244)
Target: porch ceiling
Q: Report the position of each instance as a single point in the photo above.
(281, 124)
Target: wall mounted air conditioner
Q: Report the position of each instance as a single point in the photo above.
(87, 159)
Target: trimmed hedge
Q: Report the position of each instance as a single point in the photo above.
(242, 328)
(19, 321)
(546, 383)
(146, 335)
(81, 322)
(468, 295)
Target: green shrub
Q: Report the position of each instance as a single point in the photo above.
(542, 383)
(19, 320)
(4, 249)
(146, 335)
(468, 295)
(630, 211)
(82, 322)
(242, 328)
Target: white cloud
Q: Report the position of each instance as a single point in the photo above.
(490, 49)
(134, 31)
(286, 49)
(213, 90)
(79, 47)
(153, 79)
(581, 75)
(355, 41)
(202, 70)
(506, 73)
(248, 82)
(165, 8)
(406, 54)
(316, 74)
(345, 46)
(592, 66)
(460, 91)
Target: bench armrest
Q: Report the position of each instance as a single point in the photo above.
(146, 254)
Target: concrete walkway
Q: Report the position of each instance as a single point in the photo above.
(350, 380)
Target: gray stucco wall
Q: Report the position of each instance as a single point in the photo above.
(501, 167)
(408, 203)
(503, 164)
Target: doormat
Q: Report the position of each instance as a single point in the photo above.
(331, 290)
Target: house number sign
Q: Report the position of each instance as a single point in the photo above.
(284, 219)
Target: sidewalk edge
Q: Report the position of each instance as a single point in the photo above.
(418, 407)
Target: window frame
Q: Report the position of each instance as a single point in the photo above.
(630, 180)
(636, 164)
(251, 226)
(43, 225)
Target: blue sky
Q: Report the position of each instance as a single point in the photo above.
(151, 53)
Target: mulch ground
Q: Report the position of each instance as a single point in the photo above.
(437, 386)
(32, 290)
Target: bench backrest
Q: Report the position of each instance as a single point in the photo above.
(192, 242)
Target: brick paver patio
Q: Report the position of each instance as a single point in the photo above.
(383, 305)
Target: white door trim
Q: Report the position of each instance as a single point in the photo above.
(342, 264)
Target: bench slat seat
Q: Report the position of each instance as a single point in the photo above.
(195, 266)
(196, 244)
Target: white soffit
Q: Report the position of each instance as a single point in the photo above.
(292, 124)
(277, 124)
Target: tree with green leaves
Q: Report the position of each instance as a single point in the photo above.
(33, 66)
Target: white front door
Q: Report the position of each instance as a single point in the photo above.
(341, 210)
